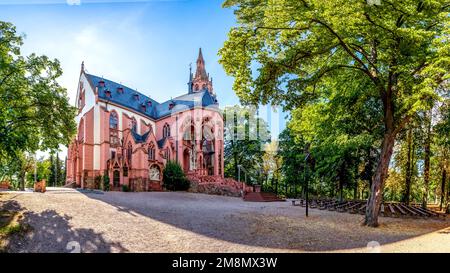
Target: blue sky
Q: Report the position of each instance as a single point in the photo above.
(146, 45)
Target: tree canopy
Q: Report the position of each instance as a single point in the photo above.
(314, 56)
(34, 110)
(245, 136)
(35, 113)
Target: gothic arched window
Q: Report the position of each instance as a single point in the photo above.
(113, 120)
(113, 129)
(151, 152)
(81, 131)
(166, 130)
(129, 152)
(134, 124)
(167, 154)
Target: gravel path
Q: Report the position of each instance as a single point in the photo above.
(63, 219)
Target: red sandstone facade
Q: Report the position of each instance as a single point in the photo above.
(129, 137)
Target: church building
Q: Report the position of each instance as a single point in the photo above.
(129, 137)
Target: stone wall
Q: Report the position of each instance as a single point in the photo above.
(217, 185)
(142, 184)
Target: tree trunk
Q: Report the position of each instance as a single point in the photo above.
(22, 181)
(276, 186)
(426, 172)
(408, 169)
(444, 178)
(376, 193)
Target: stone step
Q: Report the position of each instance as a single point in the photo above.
(262, 197)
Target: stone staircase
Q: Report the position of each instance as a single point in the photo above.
(70, 184)
(262, 197)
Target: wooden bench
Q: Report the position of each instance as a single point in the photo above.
(333, 206)
(391, 209)
(423, 213)
(362, 210)
(325, 204)
(354, 208)
(400, 209)
(343, 205)
(428, 211)
(408, 209)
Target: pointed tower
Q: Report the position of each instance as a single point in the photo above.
(201, 81)
(190, 82)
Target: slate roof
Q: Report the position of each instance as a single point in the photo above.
(136, 101)
(140, 138)
(161, 142)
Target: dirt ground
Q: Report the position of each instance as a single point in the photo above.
(67, 220)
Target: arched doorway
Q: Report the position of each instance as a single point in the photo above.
(186, 160)
(116, 178)
(208, 145)
(189, 145)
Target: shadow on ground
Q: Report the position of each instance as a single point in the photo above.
(47, 231)
(253, 225)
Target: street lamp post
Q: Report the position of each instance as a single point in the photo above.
(306, 182)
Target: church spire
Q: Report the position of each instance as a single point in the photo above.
(200, 73)
(200, 55)
(190, 87)
(201, 81)
(82, 67)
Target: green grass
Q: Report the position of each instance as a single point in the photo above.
(10, 225)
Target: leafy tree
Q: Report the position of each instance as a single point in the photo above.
(56, 168)
(34, 110)
(442, 140)
(398, 51)
(272, 165)
(292, 154)
(106, 186)
(42, 168)
(245, 136)
(53, 176)
(174, 178)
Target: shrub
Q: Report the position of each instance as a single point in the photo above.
(106, 183)
(125, 188)
(98, 182)
(174, 178)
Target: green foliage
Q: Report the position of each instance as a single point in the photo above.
(174, 178)
(57, 172)
(353, 73)
(106, 185)
(98, 182)
(272, 164)
(293, 168)
(245, 136)
(34, 110)
(125, 188)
